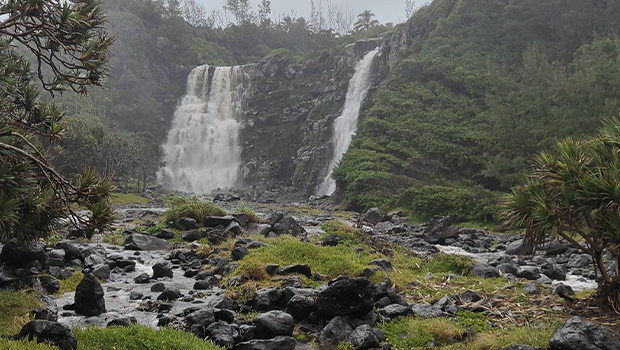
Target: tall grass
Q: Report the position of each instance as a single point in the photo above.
(181, 207)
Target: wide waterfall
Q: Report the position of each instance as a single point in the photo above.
(345, 125)
(202, 152)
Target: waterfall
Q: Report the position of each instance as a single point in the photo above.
(346, 124)
(202, 151)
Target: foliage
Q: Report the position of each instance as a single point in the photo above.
(181, 207)
(71, 283)
(365, 21)
(33, 194)
(484, 86)
(573, 192)
(139, 337)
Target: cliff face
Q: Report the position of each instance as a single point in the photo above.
(290, 109)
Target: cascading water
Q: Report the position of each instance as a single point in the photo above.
(202, 152)
(346, 124)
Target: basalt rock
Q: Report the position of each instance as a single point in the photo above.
(579, 334)
(346, 296)
(89, 299)
(47, 331)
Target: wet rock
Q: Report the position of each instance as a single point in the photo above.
(71, 250)
(48, 311)
(395, 310)
(142, 242)
(274, 218)
(89, 299)
(470, 296)
(366, 337)
(272, 324)
(165, 234)
(169, 295)
(135, 295)
(579, 334)
(197, 321)
(17, 255)
(217, 236)
(336, 331)
(427, 311)
(190, 236)
(556, 248)
(518, 247)
(288, 226)
(215, 221)
(246, 332)
(162, 270)
(267, 299)
(47, 331)
(580, 261)
(55, 257)
(220, 301)
(66, 273)
(440, 229)
(383, 264)
(126, 265)
(224, 315)
(158, 287)
(300, 306)
(222, 334)
(102, 271)
(239, 253)
(553, 271)
(346, 296)
(564, 291)
(49, 284)
(528, 274)
(143, 278)
(242, 218)
(233, 229)
(184, 224)
(484, 270)
(372, 216)
(122, 322)
(296, 269)
(277, 343)
(205, 284)
(531, 288)
(508, 268)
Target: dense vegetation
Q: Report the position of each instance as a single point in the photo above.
(463, 112)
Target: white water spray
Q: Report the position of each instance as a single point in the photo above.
(346, 124)
(202, 152)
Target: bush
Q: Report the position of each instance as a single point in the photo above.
(461, 203)
(139, 337)
(181, 207)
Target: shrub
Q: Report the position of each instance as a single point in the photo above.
(181, 207)
(139, 337)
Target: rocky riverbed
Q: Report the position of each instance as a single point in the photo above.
(186, 277)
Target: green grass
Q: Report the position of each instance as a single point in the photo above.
(115, 238)
(16, 307)
(127, 198)
(181, 207)
(24, 345)
(139, 337)
(71, 283)
(501, 339)
(415, 333)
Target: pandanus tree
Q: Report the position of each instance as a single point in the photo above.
(68, 46)
(573, 192)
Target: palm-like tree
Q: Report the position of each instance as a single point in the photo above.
(365, 21)
(574, 193)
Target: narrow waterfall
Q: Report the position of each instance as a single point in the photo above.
(202, 152)
(345, 125)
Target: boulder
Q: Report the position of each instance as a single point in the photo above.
(440, 229)
(190, 236)
(336, 331)
(272, 324)
(531, 288)
(18, 255)
(484, 270)
(49, 284)
(55, 257)
(518, 247)
(395, 310)
(102, 271)
(383, 264)
(142, 242)
(165, 234)
(47, 331)
(564, 291)
(296, 269)
(71, 250)
(470, 296)
(300, 306)
(528, 273)
(222, 334)
(197, 321)
(239, 253)
(48, 311)
(184, 224)
(122, 322)
(553, 271)
(427, 311)
(142, 278)
(169, 295)
(346, 296)
(372, 216)
(579, 334)
(215, 221)
(288, 226)
(580, 261)
(267, 299)
(277, 343)
(89, 299)
(366, 337)
(162, 270)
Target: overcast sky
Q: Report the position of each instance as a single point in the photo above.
(385, 10)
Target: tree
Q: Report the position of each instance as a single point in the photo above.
(194, 13)
(241, 9)
(574, 193)
(264, 11)
(70, 49)
(365, 21)
(409, 7)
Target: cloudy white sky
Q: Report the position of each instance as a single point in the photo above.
(385, 10)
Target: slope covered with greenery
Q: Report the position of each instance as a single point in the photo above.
(463, 112)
